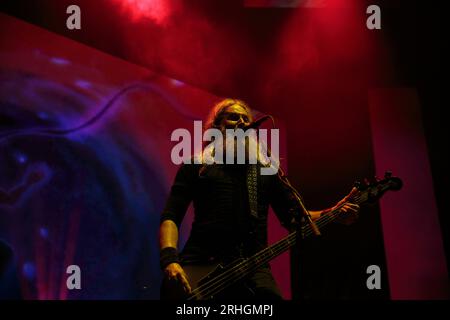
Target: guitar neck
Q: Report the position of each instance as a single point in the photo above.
(244, 268)
(264, 256)
(249, 265)
(289, 241)
(274, 250)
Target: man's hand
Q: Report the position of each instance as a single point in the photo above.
(348, 211)
(175, 272)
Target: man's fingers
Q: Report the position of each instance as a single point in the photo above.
(354, 208)
(349, 213)
(185, 282)
(352, 193)
(178, 274)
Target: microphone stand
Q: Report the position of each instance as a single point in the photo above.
(286, 182)
(297, 255)
(295, 278)
(297, 196)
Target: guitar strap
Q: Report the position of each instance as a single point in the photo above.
(252, 187)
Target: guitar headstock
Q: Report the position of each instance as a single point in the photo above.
(372, 191)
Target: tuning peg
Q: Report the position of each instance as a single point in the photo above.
(357, 184)
(387, 174)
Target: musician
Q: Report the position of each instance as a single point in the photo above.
(230, 213)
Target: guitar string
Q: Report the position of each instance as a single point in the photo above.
(273, 250)
(233, 277)
(216, 282)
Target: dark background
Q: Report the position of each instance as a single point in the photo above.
(228, 50)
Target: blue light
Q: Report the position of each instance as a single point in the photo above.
(43, 232)
(29, 270)
(20, 157)
(42, 115)
(59, 61)
(83, 84)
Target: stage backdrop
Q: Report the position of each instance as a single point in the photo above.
(85, 168)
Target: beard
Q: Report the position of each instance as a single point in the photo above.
(235, 148)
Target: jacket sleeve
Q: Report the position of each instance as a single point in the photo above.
(181, 194)
(284, 203)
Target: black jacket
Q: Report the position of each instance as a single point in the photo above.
(223, 227)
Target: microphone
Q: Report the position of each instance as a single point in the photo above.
(257, 123)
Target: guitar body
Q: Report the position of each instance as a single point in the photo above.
(201, 277)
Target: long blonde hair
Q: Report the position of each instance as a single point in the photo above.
(216, 114)
(215, 117)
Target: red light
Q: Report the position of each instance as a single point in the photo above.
(156, 10)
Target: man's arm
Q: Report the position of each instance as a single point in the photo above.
(316, 214)
(286, 206)
(168, 234)
(348, 211)
(168, 240)
(181, 194)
